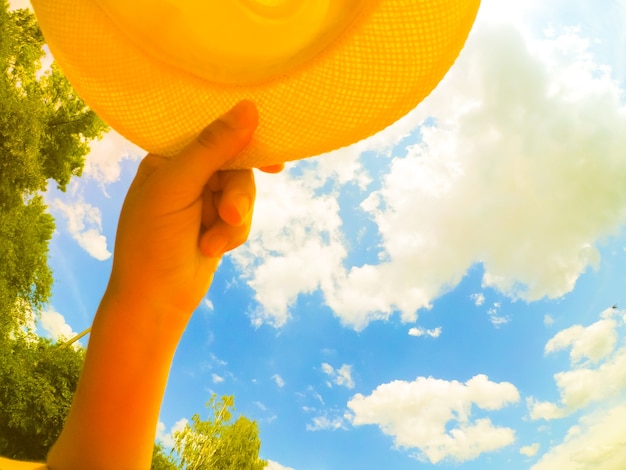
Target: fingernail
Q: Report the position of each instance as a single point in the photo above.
(242, 116)
(216, 244)
(242, 203)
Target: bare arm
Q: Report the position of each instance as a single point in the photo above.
(179, 217)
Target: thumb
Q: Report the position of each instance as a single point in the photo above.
(218, 143)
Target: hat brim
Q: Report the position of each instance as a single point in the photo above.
(381, 68)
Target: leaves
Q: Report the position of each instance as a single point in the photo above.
(25, 278)
(218, 443)
(160, 461)
(37, 383)
(45, 130)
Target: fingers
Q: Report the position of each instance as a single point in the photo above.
(238, 193)
(229, 195)
(223, 237)
(228, 200)
(273, 168)
(218, 143)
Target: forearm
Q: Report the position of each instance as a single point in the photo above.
(114, 414)
(179, 216)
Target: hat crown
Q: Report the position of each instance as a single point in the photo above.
(233, 41)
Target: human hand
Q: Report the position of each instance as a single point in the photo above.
(180, 216)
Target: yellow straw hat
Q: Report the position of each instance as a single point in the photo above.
(323, 73)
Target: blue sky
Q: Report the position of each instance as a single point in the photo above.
(437, 296)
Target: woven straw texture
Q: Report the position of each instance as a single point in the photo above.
(389, 59)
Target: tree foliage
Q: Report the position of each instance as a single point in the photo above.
(37, 383)
(25, 278)
(45, 130)
(161, 461)
(219, 443)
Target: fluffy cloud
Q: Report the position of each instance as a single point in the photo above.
(279, 380)
(54, 324)
(419, 331)
(84, 223)
(597, 442)
(326, 423)
(518, 165)
(103, 162)
(416, 414)
(593, 342)
(341, 376)
(294, 245)
(578, 388)
(271, 465)
(478, 298)
(167, 438)
(531, 450)
(521, 172)
(495, 318)
(601, 378)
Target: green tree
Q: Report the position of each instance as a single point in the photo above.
(25, 279)
(219, 443)
(45, 130)
(161, 461)
(37, 383)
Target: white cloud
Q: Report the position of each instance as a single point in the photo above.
(325, 423)
(217, 379)
(103, 162)
(580, 387)
(167, 438)
(497, 11)
(55, 325)
(531, 450)
(478, 298)
(419, 331)
(597, 442)
(544, 409)
(496, 181)
(599, 379)
(548, 320)
(593, 342)
(494, 315)
(208, 304)
(520, 169)
(84, 223)
(416, 414)
(291, 250)
(279, 380)
(341, 376)
(271, 465)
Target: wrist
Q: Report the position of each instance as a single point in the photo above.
(142, 316)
